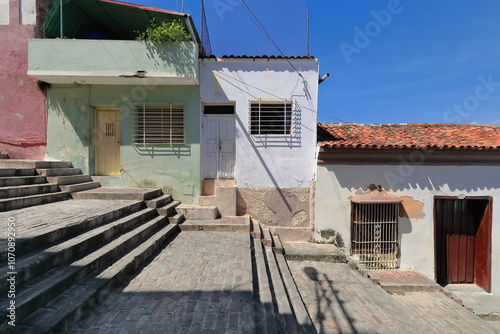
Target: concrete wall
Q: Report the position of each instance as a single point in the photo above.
(22, 103)
(418, 185)
(273, 173)
(71, 112)
(67, 61)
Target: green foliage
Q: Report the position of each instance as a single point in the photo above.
(164, 32)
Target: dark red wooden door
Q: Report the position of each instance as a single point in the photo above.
(463, 241)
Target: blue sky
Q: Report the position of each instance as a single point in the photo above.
(390, 61)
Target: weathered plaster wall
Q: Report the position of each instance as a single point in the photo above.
(273, 173)
(22, 104)
(273, 162)
(417, 185)
(70, 136)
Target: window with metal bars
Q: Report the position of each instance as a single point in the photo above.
(159, 125)
(271, 117)
(374, 234)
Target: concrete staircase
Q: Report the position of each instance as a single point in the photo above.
(64, 272)
(278, 305)
(218, 199)
(25, 183)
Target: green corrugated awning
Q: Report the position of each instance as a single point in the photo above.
(104, 19)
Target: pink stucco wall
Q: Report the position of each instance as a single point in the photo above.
(22, 104)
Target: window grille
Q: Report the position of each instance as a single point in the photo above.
(271, 117)
(159, 126)
(374, 235)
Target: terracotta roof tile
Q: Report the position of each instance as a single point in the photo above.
(413, 135)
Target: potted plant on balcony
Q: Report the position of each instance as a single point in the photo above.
(172, 31)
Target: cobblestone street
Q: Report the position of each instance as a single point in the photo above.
(340, 300)
(200, 283)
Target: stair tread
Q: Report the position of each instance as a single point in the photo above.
(47, 232)
(27, 186)
(34, 292)
(35, 196)
(80, 293)
(35, 258)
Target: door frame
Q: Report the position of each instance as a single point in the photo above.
(486, 247)
(203, 150)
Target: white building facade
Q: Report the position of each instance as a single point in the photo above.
(259, 128)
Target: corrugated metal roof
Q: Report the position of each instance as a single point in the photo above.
(105, 19)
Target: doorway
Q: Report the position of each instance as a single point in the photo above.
(107, 141)
(218, 142)
(462, 229)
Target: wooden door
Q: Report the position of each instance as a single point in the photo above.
(107, 142)
(219, 142)
(462, 241)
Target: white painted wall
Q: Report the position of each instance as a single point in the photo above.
(336, 183)
(28, 12)
(282, 162)
(4, 12)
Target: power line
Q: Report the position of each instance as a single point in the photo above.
(261, 27)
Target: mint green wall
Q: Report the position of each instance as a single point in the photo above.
(101, 59)
(175, 169)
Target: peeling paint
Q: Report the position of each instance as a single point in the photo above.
(412, 208)
(19, 115)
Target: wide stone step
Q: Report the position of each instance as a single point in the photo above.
(51, 235)
(62, 312)
(12, 181)
(69, 179)
(24, 202)
(159, 201)
(135, 194)
(285, 319)
(35, 164)
(28, 190)
(225, 224)
(59, 171)
(80, 186)
(58, 280)
(265, 316)
(304, 322)
(16, 171)
(37, 263)
(198, 212)
(169, 209)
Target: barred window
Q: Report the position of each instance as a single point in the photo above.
(271, 117)
(158, 126)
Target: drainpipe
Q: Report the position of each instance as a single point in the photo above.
(61, 17)
(190, 27)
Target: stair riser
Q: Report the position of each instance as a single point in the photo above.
(122, 196)
(169, 210)
(7, 172)
(71, 179)
(23, 202)
(59, 171)
(43, 297)
(81, 187)
(21, 181)
(47, 263)
(29, 191)
(24, 247)
(154, 203)
(63, 326)
(13, 163)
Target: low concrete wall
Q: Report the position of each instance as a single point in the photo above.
(286, 211)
